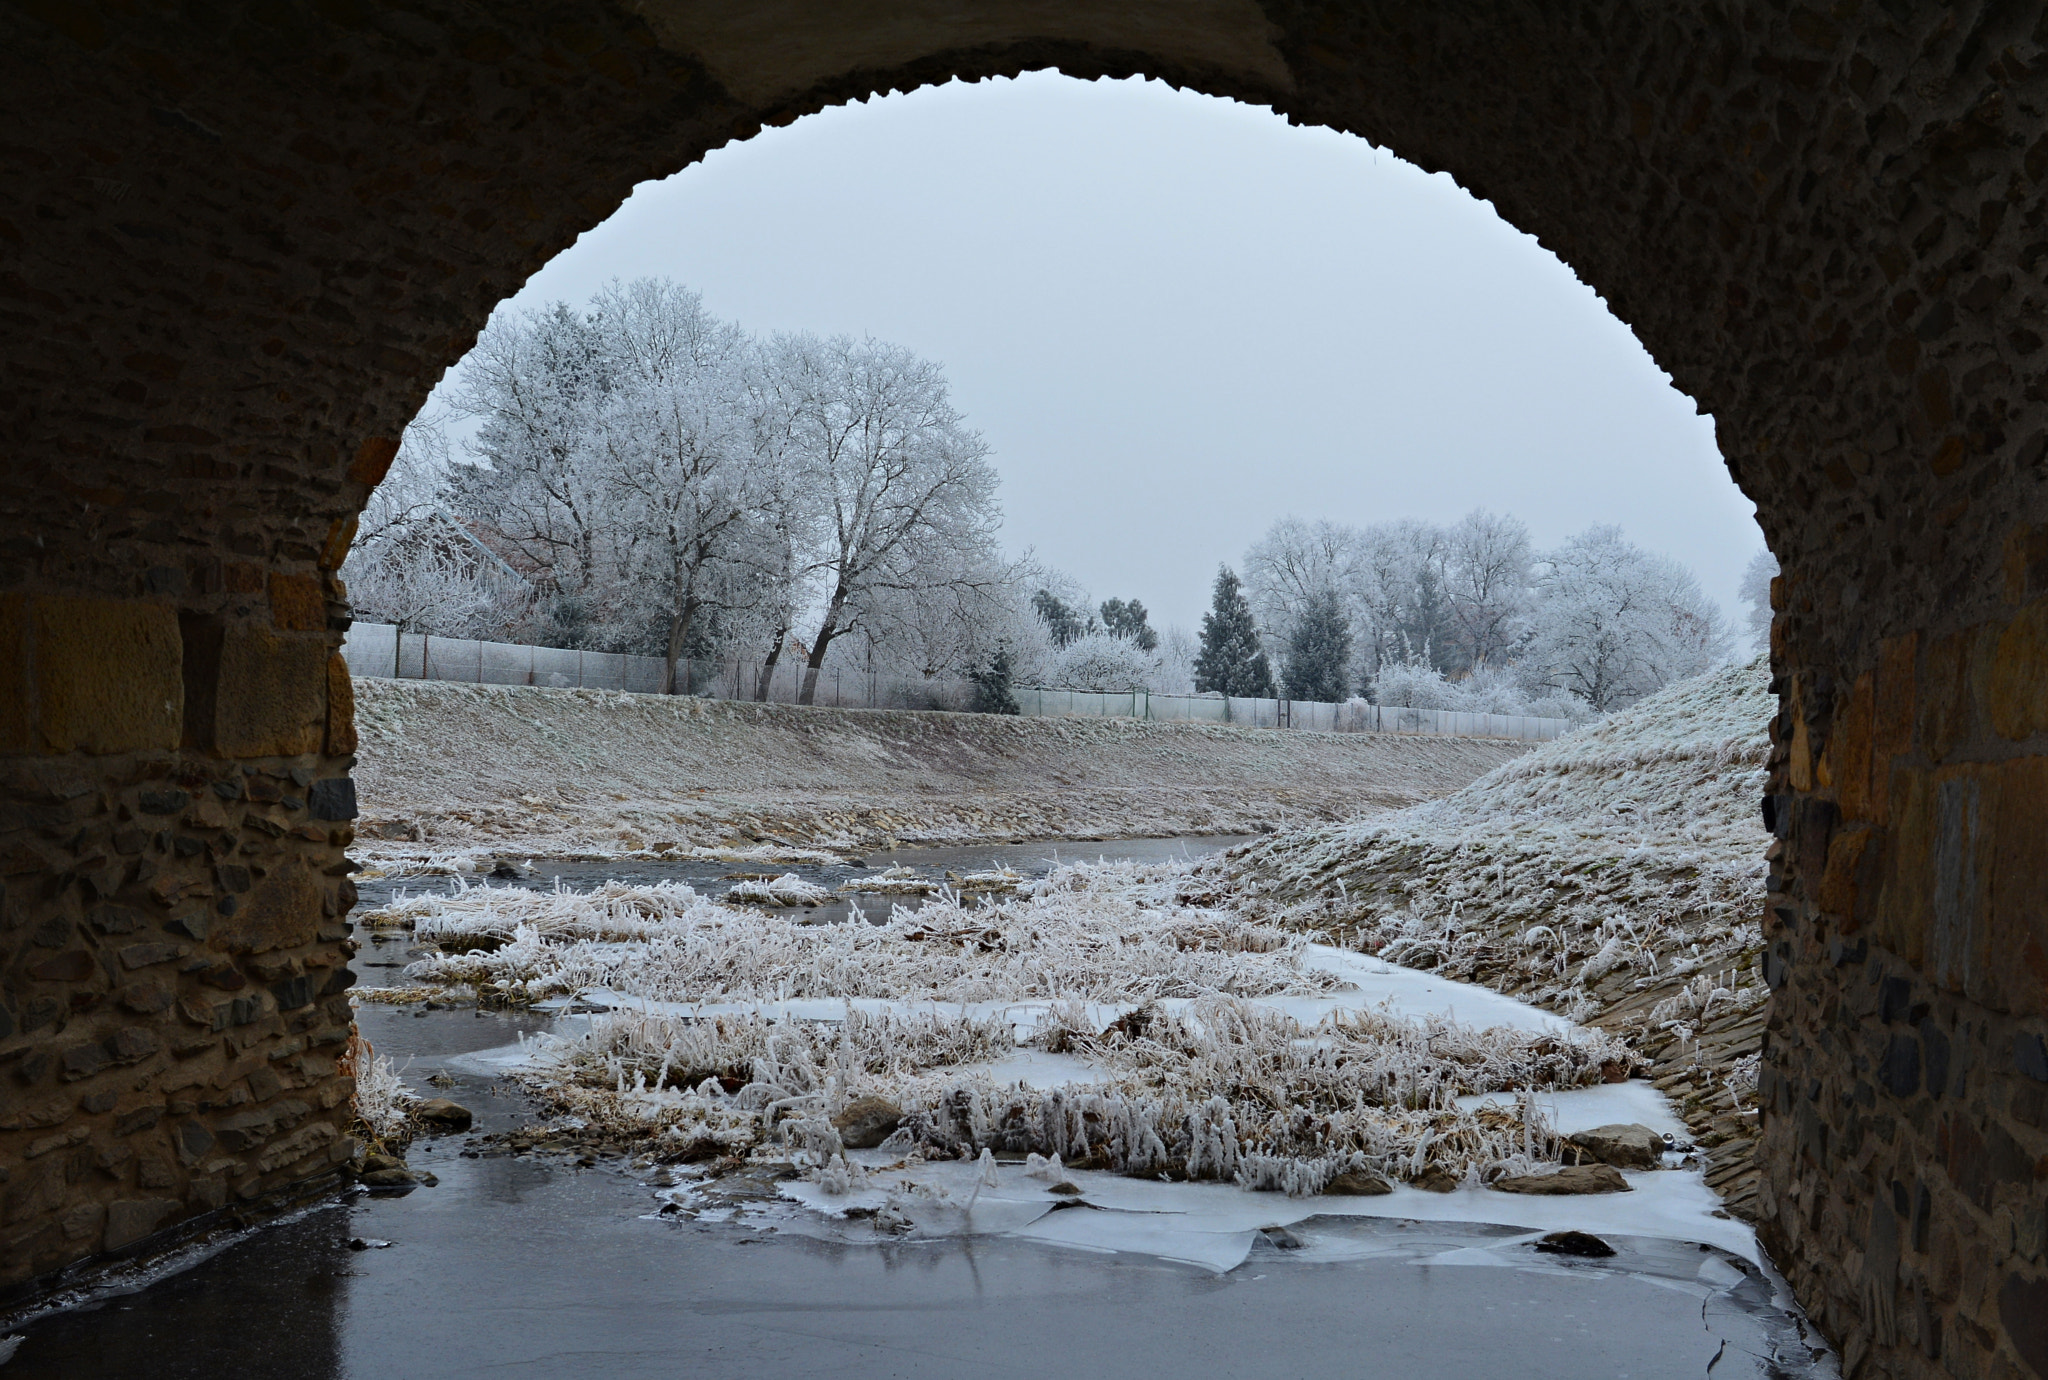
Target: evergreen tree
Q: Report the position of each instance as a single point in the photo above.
(1128, 621)
(1062, 623)
(1231, 660)
(992, 685)
(1319, 649)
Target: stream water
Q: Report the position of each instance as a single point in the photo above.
(538, 1265)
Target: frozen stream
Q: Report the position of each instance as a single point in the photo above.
(532, 1265)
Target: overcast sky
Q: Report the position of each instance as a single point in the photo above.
(1176, 319)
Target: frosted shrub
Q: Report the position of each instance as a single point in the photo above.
(1100, 661)
(382, 1098)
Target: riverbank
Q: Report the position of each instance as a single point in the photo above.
(465, 770)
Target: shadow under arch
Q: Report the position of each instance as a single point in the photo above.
(244, 242)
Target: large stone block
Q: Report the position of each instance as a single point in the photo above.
(105, 674)
(17, 733)
(270, 698)
(341, 707)
(2016, 930)
(2018, 688)
(297, 603)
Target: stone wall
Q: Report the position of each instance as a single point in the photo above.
(242, 240)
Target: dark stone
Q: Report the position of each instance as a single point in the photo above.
(84, 1060)
(1895, 999)
(1626, 1146)
(2023, 1308)
(1581, 1178)
(115, 919)
(1434, 1178)
(1935, 1045)
(389, 1179)
(166, 802)
(1900, 1068)
(339, 981)
(224, 976)
(141, 1119)
(230, 789)
(53, 933)
(443, 1115)
(2030, 1053)
(866, 1122)
(293, 992)
(147, 955)
(333, 798)
(132, 1044)
(1577, 1243)
(75, 966)
(192, 924)
(1358, 1184)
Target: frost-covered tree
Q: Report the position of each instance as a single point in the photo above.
(903, 486)
(535, 382)
(1290, 565)
(1231, 660)
(414, 564)
(1614, 622)
(1756, 599)
(1106, 662)
(1127, 619)
(1176, 655)
(1319, 650)
(673, 437)
(1487, 582)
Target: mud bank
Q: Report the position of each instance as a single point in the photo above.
(463, 768)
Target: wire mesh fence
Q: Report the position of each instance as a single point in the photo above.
(379, 649)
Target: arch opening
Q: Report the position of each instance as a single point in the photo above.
(240, 271)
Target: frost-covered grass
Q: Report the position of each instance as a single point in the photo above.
(1630, 849)
(1615, 876)
(1168, 1005)
(383, 1101)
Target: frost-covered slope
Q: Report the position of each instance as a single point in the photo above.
(462, 768)
(1616, 876)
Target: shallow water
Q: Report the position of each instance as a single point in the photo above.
(528, 1265)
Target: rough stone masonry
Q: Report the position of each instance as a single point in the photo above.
(239, 241)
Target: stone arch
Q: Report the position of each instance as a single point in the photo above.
(241, 242)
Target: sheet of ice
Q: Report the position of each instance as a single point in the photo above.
(1212, 1225)
(1417, 993)
(1581, 1109)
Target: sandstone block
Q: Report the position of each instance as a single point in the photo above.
(341, 710)
(1626, 1146)
(1581, 1178)
(2018, 689)
(107, 675)
(270, 698)
(297, 603)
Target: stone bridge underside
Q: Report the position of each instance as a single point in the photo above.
(241, 240)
